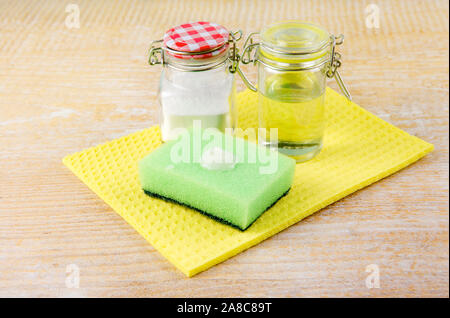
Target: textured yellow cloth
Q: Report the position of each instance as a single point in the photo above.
(359, 149)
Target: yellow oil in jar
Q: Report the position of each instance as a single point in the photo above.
(294, 104)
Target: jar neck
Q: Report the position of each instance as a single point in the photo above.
(196, 65)
(287, 61)
(205, 77)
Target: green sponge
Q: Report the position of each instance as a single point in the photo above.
(227, 178)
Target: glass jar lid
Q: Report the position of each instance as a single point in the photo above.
(294, 37)
(202, 39)
(294, 44)
(196, 46)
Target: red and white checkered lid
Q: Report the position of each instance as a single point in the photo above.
(197, 37)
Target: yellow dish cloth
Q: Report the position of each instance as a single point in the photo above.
(359, 149)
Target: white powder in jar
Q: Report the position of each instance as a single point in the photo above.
(188, 96)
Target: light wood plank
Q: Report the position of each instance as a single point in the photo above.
(62, 90)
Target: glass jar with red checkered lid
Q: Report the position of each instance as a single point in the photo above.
(197, 84)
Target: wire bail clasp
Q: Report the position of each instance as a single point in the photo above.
(156, 55)
(336, 63)
(249, 47)
(249, 55)
(234, 51)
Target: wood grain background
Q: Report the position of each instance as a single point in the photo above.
(62, 90)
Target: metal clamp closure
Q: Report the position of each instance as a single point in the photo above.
(155, 53)
(249, 54)
(336, 63)
(234, 52)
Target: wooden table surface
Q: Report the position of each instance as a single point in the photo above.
(63, 89)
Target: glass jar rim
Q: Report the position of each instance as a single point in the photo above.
(194, 65)
(294, 37)
(294, 45)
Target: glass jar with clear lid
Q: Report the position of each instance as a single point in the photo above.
(294, 60)
(197, 83)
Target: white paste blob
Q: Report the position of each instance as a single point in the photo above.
(216, 158)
